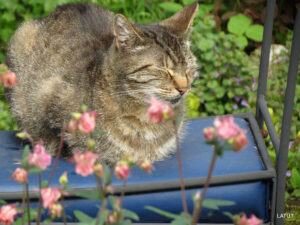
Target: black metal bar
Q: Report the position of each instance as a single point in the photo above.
(262, 104)
(281, 162)
(273, 199)
(167, 185)
(265, 54)
(260, 142)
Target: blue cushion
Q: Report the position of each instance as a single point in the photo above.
(250, 197)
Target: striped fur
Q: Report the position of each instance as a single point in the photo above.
(83, 54)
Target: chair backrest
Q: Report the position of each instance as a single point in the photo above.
(262, 113)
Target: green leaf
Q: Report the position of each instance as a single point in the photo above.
(91, 194)
(238, 24)
(170, 6)
(220, 92)
(125, 222)
(241, 41)
(255, 32)
(8, 16)
(161, 212)
(2, 201)
(181, 220)
(35, 170)
(129, 214)
(295, 178)
(228, 214)
(111, 200)
(205, 44)
(214, 204)
(212, 84)
(33, 216)
(82, 217)
(107, 175)
(187, 2)
(103, 216)
(25, 152)
(296, 193)
(45, 184)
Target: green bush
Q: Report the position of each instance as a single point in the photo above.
(227, 78)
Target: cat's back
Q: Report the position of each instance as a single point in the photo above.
(70, 33)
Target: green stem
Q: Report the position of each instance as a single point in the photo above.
(63, 210)
(38, 219)
(186, 212)
(57, 155)
(121, 200)
(198, 206)
(23, 203)
(28, 203)
(102, 197)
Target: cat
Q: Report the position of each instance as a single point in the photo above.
(84, 54)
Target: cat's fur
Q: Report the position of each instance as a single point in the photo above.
(83, 54)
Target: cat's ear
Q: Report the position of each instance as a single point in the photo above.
(125, 33)
(180, 22)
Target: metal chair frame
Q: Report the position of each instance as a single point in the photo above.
(262, 113)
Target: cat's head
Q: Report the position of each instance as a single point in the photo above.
(155, 59)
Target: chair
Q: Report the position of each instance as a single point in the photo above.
(247, 178)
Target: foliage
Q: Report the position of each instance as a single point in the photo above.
(241, 25)
(226, 75)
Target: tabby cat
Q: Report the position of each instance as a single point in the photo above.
(84, 54)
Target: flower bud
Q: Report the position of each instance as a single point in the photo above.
(8, 79)
(209, 133)
(128, 157)
(122, 170)
(63, 180)
(197, 196)
(76, 115)
(110, 189)
(90, 143)
(72, 126)
(22, 135)
(239, 142)
(146, 165)
(56, 210)
(98, 170)
(83, 108)
(20, 175)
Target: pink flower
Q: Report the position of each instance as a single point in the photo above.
(8, 79)
(8, 214)
(87, 122)
(50, 196)
(72, 126)
(20, 175)
(242, 220)
(56, 210)
(226, 128)
(110, 189)
(85, 162)
(146, 165)
(209, 133)
(159, 111)
(112, 217)
(239, 142)
(39, 157)
(253, 220)
(98, 169)
(122, 170)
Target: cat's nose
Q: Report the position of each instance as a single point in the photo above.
(182, 90)
(181, 84)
